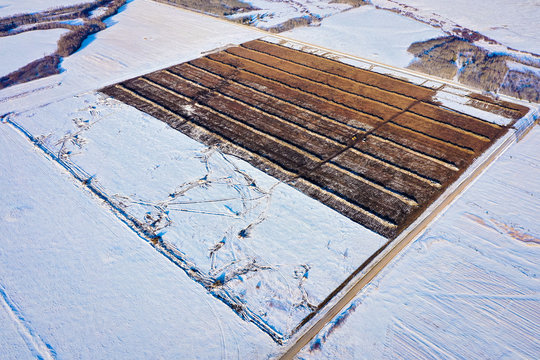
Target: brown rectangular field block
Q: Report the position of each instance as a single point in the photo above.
(375, 148)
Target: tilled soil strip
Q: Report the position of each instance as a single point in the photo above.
(375, 148)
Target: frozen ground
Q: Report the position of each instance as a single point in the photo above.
(467, 288)
(368, 32)
(27, 47)
(77, 283)
(512, 23)
(176, 186)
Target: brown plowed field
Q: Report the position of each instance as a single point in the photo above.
(375, 148)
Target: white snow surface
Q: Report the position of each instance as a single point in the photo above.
(77, 283)
(19, 50)
(139, 162)
(467, 288)
(369, 33)
(512, 23)
(15, 7)
(512, 65)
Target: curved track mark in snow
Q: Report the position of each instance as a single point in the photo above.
(36, 345)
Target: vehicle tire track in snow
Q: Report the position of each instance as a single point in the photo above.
(36, 345)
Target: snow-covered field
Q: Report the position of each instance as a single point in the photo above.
(276, 249)
(468, 288)
(77, 283)
(512, 23)
(368, 32)
(19, 50)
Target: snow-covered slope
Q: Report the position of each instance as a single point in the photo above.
(468, 288)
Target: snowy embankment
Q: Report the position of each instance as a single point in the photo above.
(368, 32)
(467, 288)
(77, 283)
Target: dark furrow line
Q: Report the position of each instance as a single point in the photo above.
(382, 219)
(412, 199)
(513, 109)
(273, 96)
(387, 163)
(257, 107)
(315, 81)
(351, 108)
(377, 118)
(201, 124)
(330, 73)
(447, 142)
(447, 163)
(234, 118)
(406, 83)
(364, 178)
(425, 101)
(431, 181)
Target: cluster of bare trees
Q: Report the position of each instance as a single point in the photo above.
(59, 18)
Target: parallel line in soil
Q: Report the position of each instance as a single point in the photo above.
(388, 223)
(162, 108)
(301, 108)
(352, 205)
(282, 142)
(345, 65)
(395, 107)
(383, 162)
(459, 147)
(370, 182)
(333, 74)
(255, 108)
(426, 102)
(315, 81)
(375, 118)
(440, 161)
(494, 104)
(451, 111)
(443, 141)
(223, 139)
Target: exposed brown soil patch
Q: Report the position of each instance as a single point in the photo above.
(375, 148)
